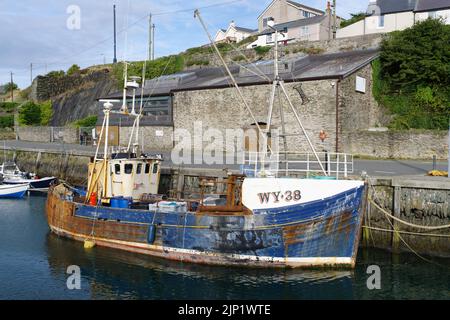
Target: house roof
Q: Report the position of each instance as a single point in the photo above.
(247, 30)
(299, 5)
(430, 5)
(392, 6)
(295, 24)
(305, 68)
(292, 3)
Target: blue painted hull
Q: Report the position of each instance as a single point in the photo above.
(319, 233)
(15, 195)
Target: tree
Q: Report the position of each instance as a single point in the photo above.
(73, 69)
(412, 78)
(10, 85)
(355, 18)
(417, 56)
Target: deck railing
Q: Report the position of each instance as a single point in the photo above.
(257, 164)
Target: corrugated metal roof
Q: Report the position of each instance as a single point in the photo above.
(430, 5)
(314, 67)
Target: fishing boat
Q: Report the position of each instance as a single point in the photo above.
(13, 175)
(13, 191)
(265, 217)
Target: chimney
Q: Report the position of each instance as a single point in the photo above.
(232, 23)
(328, 10)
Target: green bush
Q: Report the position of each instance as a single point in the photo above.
(10, 85)
(355, 18)
(30, 114)
(262, 50)
(155, 68)
(46, 113)
(411, 78)
(56, 74)
(197, 63)
(90, 121)
(8, 106)
(7, 121)
(247, 40)
(73, 69)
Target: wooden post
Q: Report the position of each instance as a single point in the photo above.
(397, 205)
(38, 162)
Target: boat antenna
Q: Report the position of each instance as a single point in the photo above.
(197, 15)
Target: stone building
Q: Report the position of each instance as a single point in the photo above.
(331, 92)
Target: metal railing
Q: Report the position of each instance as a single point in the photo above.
(257, 164)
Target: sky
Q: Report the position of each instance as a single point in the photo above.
(54, 34)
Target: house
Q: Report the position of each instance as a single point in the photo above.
(385, 16)
(309, 29)
(331, 91)
(283, 11)
(233, 33)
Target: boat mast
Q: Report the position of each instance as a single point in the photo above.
(279, 83)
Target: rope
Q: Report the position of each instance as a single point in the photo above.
(408, 232)
(405, 222)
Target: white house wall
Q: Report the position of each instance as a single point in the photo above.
(444, 14)
(353, 30)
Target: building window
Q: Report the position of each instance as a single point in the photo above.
(155, 110)
(304, 32)
(306, 14)
(139, 168)
(265, 21)
(381, 21)
(269, 38)
(128, 168)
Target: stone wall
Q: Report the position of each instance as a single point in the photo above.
(222, 109)
(397, 144)
(48, 134)
(151, 138)
(423, 201)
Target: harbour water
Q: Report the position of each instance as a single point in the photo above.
(34, 262)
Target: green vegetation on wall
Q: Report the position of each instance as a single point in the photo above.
(355, 18)
(87, 122)
(6, 121)
(155, 68)
(73, 69)
(411, 78)
(262, 50)
(32, 114)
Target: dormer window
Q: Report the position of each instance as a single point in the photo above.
(265, 21)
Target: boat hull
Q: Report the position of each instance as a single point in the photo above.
(319, 234)
(43, 183)
(15, 192)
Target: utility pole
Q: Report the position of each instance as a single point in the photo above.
(31, 73)
(115, 43)
(153, 42)
(150, 35)
(334, 20)
(12, 88)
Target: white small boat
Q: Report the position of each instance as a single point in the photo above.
(13, 175)
(13, 191)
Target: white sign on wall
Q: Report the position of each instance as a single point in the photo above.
(159, 133)
(360, 84)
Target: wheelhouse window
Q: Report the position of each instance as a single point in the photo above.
(139, 168)
(128, 168)
(155, 168)
(147, 168)
(117, 169)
